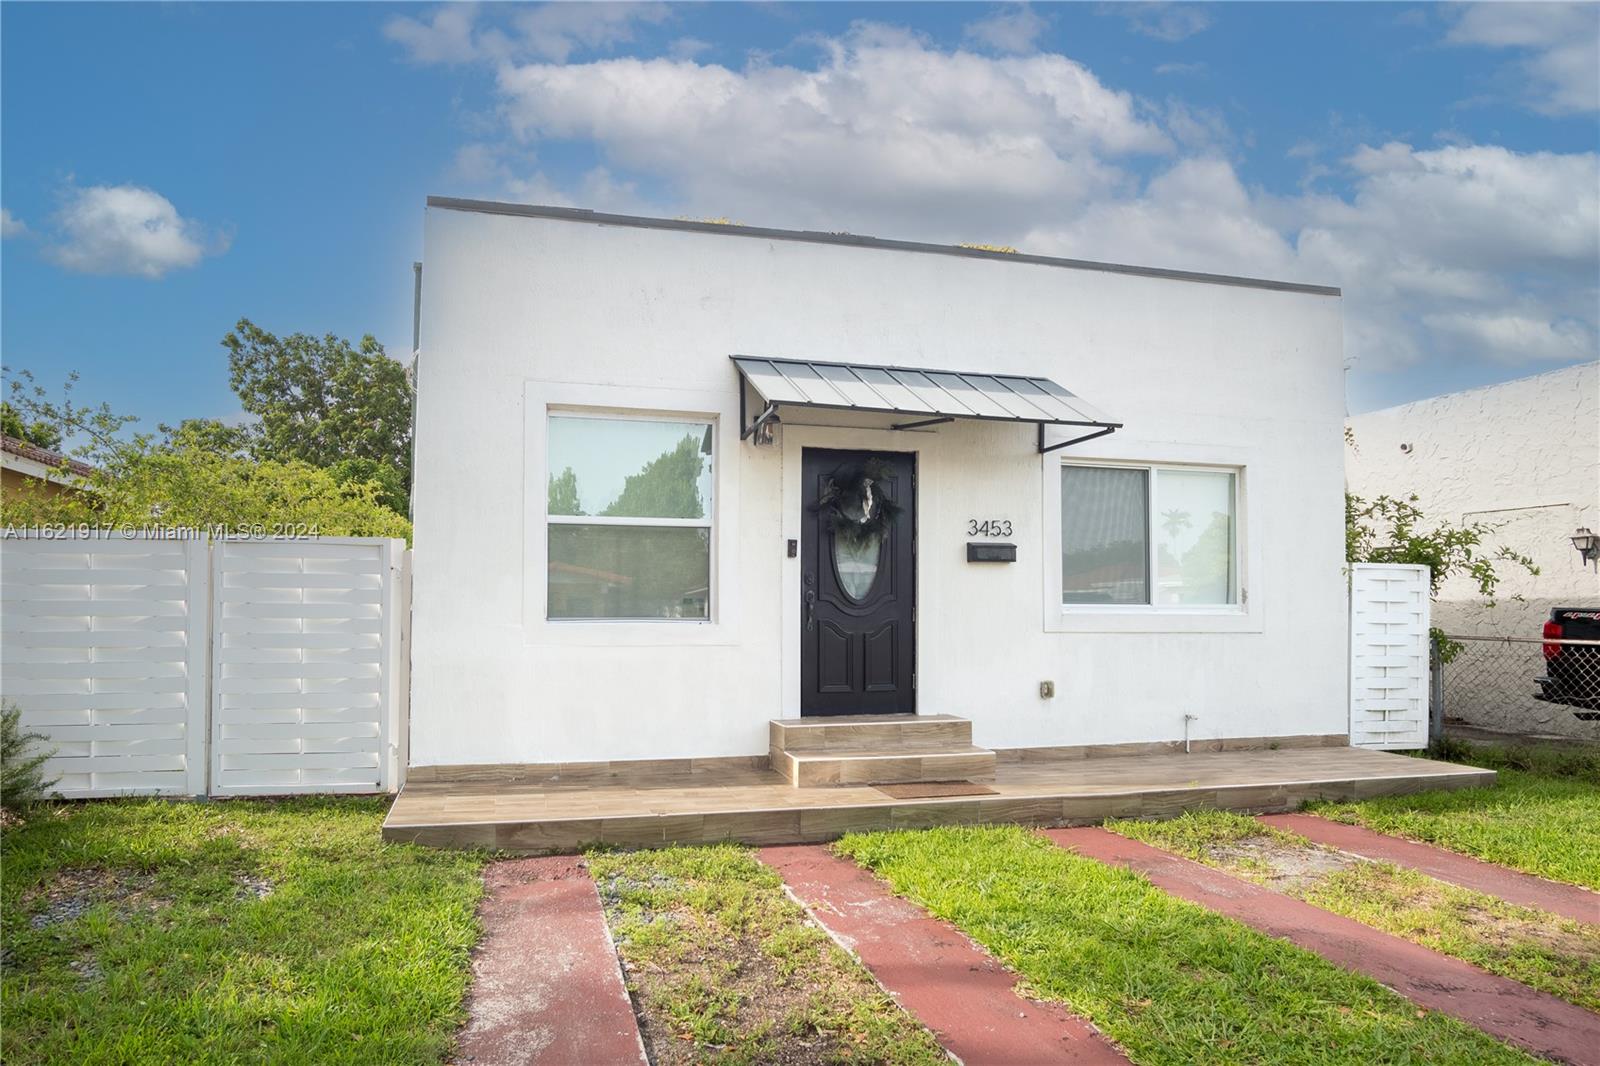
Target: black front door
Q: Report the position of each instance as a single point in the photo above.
(858, 594)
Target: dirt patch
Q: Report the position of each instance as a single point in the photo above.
(528, 871)
(1503, 930)
(1278, 864)
(73, 891)
(727, 983)
(733, 970)
(249, 886)
(87, 967)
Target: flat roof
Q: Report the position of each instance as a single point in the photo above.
(851, 240)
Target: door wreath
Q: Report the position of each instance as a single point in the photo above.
(853, 505)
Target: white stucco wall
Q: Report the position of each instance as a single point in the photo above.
(519, 313)
(1523, 456)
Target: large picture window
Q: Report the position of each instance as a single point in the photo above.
(1149, 536)
(630, 518)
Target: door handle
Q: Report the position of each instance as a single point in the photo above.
(811, 605)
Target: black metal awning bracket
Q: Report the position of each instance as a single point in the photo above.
(1043, 448)
(924, 422)
(767, 415)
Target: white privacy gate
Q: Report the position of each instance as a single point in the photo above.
(1389, 620)
(103, 646)
(188, 667)
(304, 662)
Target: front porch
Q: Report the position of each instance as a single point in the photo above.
(555, 808)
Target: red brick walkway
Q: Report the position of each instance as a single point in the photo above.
(1505, 1009)
(546, 985)
(966, 998)
(1569, 901)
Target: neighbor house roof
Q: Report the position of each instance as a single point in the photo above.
(34, 461)
(722, 229)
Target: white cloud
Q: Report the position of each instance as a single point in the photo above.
(452, 33)
(1514, 338)
(555, 31)
(885, 130)
(1196, 215)
(1561, 72)
(1462, 251)
(446, 37)
(11, 225)
(688, 47)
(127, 229)
(1011, 29)
(1163, 21)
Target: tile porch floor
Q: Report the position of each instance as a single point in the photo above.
(755, 805)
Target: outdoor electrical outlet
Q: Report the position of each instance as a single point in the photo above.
(1047, 690)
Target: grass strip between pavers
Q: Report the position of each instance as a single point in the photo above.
(1539, 824)
(1168, 980)
(253, 931)
(1539, 949)
(724, 967)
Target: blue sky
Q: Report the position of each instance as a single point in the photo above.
(166, 169)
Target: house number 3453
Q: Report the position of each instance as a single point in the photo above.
(988, 527)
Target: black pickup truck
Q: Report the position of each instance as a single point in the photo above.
(1572, 671)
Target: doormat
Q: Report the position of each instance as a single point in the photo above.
(913, 790)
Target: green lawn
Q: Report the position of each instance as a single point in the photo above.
(1536, 822)
(1169, 981)
(1541, 950)
(241, 931)
(725, 967)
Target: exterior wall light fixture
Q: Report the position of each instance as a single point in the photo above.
(1588, 545)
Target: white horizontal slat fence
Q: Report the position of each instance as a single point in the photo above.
(233, 667)
(103, 647)
(1389, 619)
(303, 665)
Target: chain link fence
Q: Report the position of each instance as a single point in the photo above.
(1520, 685)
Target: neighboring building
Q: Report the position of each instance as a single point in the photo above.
(631, 546)
(23, 463)
(1523, 456)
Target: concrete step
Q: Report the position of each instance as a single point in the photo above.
(885, 764)
(868, 731)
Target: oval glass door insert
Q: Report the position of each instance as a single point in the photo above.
(856, 562)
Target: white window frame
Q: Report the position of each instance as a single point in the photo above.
(707, 523)
(720, 407)
(1243, 615)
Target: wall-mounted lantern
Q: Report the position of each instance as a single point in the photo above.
(1588, 545)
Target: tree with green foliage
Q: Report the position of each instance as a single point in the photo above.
(198, 474)
(38, 433)
(1388, 529)
(323, 400)
(1392, 530)
(97, 434)
(193, 487)
(563, 494)
(392, 490)
(668, 486)
(212, 435)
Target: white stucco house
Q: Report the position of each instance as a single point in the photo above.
(653, 459)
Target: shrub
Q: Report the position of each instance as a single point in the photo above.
(22, 780)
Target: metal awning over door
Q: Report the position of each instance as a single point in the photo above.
(925, 397)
